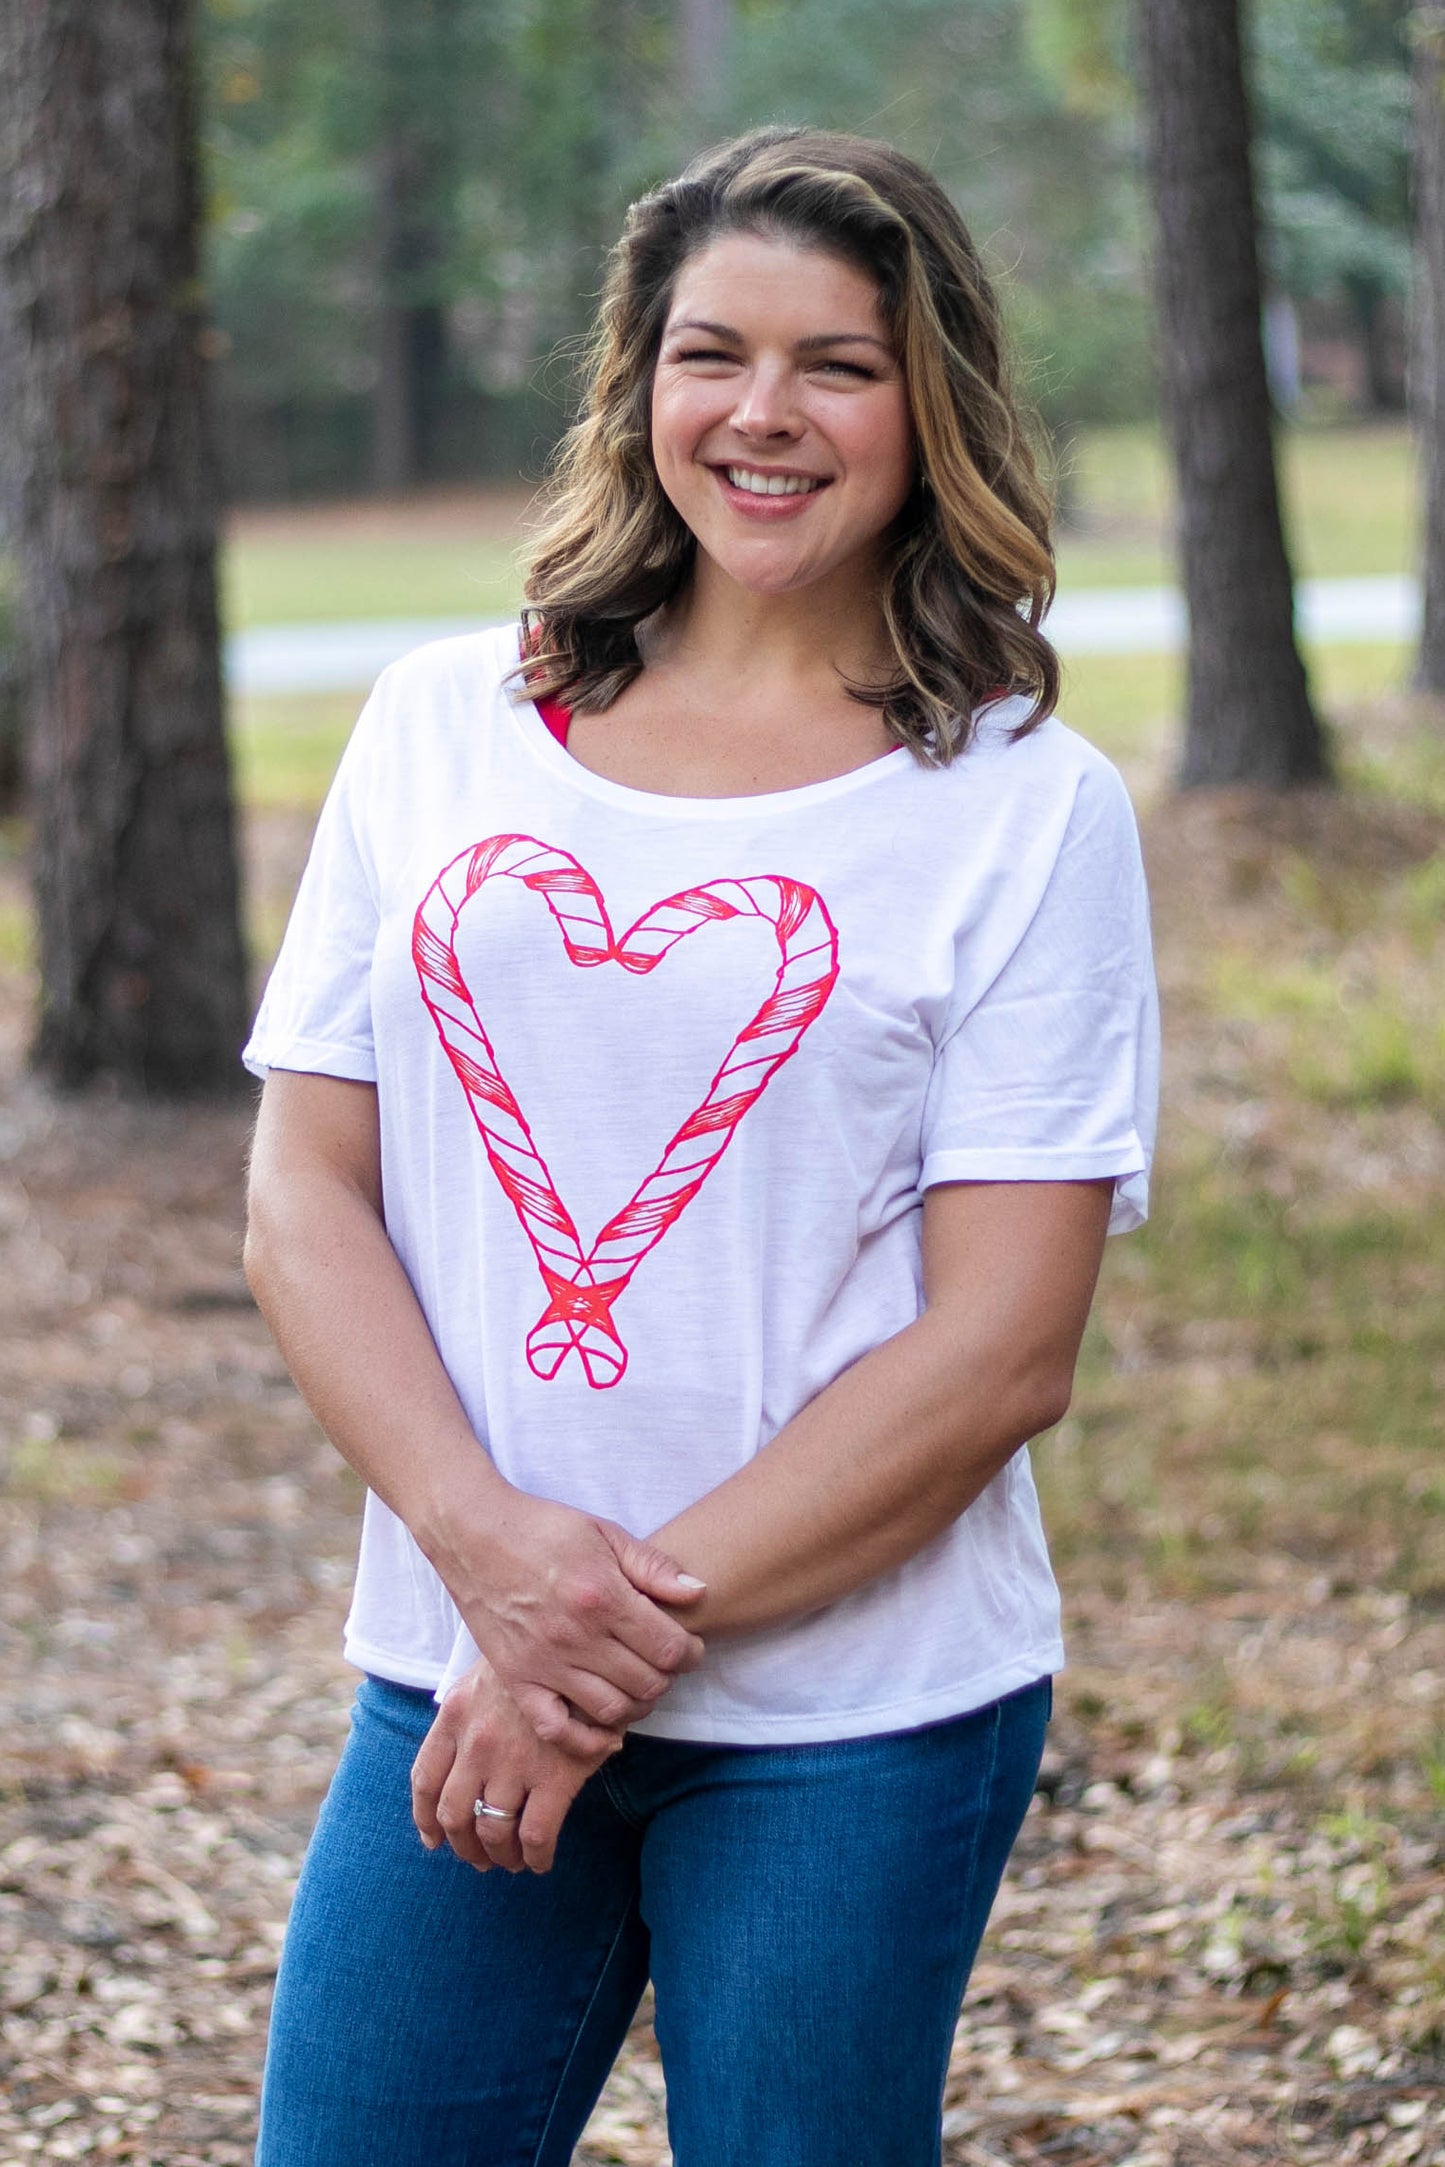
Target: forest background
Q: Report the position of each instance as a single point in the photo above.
(409, 208)
(1221, 1938)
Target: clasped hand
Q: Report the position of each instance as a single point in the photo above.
(481, 1745)
(569, 1612)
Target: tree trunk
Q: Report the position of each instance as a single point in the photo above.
(704, 33)
(1249, 714)
(417, 55)
(1370, 302)
(1428, 358)
(410, 345)
(112, 511)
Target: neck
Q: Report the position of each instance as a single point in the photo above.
(831, 628)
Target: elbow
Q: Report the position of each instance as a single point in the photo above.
(1041, 1396)
(1053, 1396)
(259, 1262)
(254, 1258)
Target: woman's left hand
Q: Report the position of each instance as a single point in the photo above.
(481, 1746)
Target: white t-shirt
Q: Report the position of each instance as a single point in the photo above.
(661, 1083)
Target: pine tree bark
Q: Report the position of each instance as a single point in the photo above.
(1428, 358)
(111, 508)
(1249, 718)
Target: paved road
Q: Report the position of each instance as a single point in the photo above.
(1091, 621)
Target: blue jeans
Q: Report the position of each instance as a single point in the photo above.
(809, 1915)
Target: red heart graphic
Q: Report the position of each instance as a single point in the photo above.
(582, 1286)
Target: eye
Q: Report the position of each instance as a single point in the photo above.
(703, 353)
(848, 368)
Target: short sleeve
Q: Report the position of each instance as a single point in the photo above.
(1052, 1073)
(316, 1012)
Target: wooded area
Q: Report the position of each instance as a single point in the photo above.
(459, 168)
(363, 233)
(405, 215)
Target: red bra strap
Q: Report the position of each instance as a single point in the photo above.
(557, 718)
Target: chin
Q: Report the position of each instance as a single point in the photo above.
(745, 571)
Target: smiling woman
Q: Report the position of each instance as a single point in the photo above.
(715, 1033)
(809, 305)
(785, 454)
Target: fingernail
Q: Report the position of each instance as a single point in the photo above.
(690, 1580)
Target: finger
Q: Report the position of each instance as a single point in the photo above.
(556, 1724)
(499, 1839)
(650, 1569)
(458, 1822)
(540, 1826)
(429, 1772)
(601, 1698)
(638, 1624)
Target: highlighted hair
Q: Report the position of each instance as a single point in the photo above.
(970, 567)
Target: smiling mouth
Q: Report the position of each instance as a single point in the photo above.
(773, 485)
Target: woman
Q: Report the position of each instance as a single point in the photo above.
(715, 1032)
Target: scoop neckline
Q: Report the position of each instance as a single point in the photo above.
(552, 755)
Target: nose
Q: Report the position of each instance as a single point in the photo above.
(765, 406)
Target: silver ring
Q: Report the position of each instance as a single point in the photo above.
(481, 1811)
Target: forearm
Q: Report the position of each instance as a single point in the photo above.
(567, 1607)
(354, 1338)
(864, 1476)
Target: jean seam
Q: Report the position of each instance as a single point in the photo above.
(602, 1971)
(619, 1803)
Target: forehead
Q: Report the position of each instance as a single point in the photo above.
(752, 281)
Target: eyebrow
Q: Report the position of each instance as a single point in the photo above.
(811, 345)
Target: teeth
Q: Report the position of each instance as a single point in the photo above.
(771, 485)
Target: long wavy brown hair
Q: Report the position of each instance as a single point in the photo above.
(969, 569)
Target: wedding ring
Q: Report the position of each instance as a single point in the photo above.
(481, 1811)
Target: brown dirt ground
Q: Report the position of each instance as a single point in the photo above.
(1190, 1963)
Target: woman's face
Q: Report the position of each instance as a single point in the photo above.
(780, 422)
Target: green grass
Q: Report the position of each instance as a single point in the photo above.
(1125, 704)
(16, 936)
(275, 579)
(285, 749)
(1349, 499)
(1260, 1383)
(1349, 502)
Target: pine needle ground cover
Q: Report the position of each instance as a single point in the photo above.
(1221, 1938)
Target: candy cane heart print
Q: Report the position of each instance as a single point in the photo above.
(583, 1285)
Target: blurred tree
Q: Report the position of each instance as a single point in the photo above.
(411, 202)
(703, 39)
(11, 701)
(1249, 718)
(1332, 96)
(1429, 360)
(520, 130)
(111, 509)
(289, 227)
(420, 51)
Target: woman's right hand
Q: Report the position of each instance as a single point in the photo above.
(481, 1746)
(568, 1610)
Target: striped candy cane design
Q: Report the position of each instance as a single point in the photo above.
(582, 1285)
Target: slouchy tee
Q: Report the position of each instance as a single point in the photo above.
(662, 1082)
